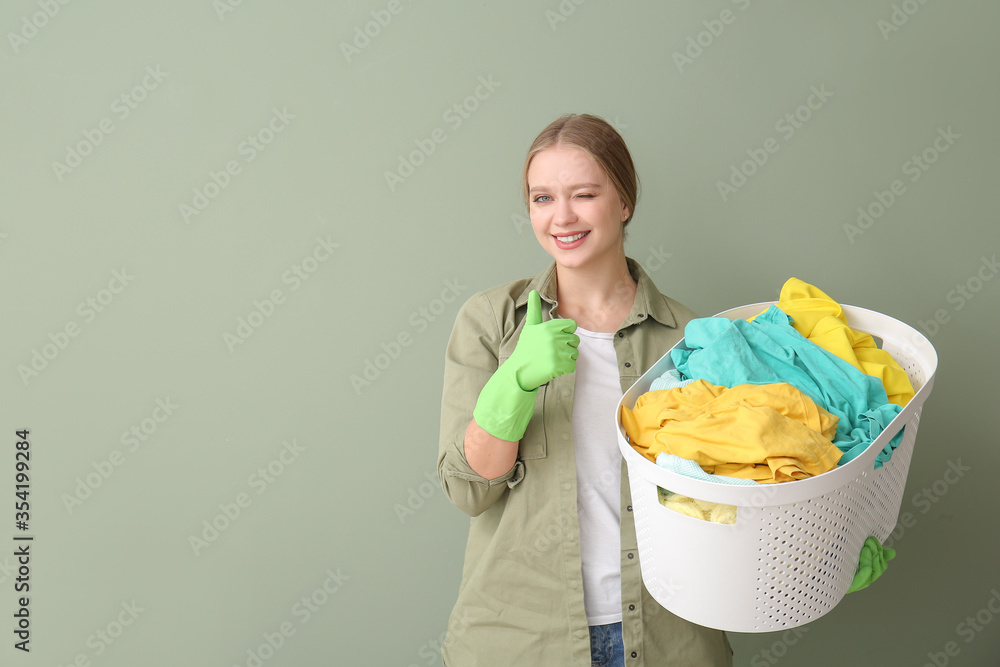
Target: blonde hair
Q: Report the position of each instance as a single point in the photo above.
(602, 142)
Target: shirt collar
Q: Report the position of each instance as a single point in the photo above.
(648, 300)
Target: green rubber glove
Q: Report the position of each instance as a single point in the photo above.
(872, 563)
(544, 351)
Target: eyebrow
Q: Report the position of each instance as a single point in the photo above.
(539, 188)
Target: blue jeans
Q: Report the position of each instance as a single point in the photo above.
(606, 646)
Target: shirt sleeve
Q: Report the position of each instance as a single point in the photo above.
(471, 359)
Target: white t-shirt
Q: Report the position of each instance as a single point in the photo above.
(598, 474)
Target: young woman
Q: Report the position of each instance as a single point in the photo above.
(533, 371)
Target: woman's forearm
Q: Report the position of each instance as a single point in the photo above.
(488, 455)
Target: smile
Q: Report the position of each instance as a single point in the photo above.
(571, 239)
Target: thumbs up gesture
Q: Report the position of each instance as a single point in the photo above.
(544, 351)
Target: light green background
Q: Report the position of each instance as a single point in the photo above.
(458, 217)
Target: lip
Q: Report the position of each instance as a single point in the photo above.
(574, 244)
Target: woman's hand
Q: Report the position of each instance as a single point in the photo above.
(544, 351)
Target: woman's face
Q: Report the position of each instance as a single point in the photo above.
(575, 211)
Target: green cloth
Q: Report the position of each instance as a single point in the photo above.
(520, 601)
(872, 563)
(545, 350)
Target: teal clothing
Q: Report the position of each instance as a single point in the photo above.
(875, 422)
(768, 349)
(683, 466)
(669, 380)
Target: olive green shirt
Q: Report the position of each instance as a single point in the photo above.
(521, 597)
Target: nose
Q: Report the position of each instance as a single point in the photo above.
(564, 213)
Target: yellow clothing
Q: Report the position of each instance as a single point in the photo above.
(699, 509)
(821, 319)
(767, 433)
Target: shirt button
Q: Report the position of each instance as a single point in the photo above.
(629, 508)
(631, 607)
(628, 364)
(634, 654)
(642, 315)
(621, 334)
(631, 556)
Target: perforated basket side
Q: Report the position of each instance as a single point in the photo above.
(808, 551)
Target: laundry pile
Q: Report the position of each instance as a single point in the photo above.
(788, 394)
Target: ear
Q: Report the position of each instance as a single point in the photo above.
(625, 213)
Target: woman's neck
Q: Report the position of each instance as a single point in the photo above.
(599, 297)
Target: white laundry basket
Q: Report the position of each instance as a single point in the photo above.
(794, 549)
